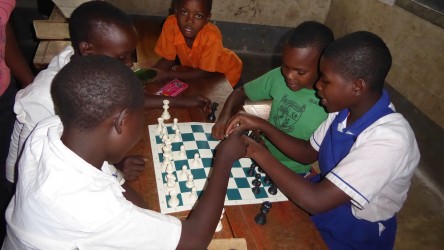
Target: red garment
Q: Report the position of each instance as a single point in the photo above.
(206, 54)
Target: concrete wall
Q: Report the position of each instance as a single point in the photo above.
(416, 46)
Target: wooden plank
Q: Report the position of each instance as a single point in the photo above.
(225, 244)
(56, 15)
(46, 51)
(51, 30)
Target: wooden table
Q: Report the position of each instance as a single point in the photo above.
(287, 227)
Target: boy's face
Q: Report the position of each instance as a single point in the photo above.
(192, 15)
(336, 93)
(119, 43)
(300, 67)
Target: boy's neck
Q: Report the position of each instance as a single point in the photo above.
(189, 42)
(86, 145)
(364, 104)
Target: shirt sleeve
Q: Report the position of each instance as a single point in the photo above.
(318, 136)
(165, 44)
(261, 87)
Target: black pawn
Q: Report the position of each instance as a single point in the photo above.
(251, 171)
(257, 185)
(267, 180)
(272, 189)
(261, 218)
(256, 179)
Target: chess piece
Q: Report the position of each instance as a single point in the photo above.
(267, 180)
(182, 153)
(251, 171)
(261, 218)
(166, 162)
(173, 201)
(190, 182)
(175, 127)
(212, 115)
(177, 136)
(166, 115)
(169, 168)
(196, 160)
(193, 194)
(272, 189)
(159, 125)
(256, 189)
(184, 173)
(257, 178)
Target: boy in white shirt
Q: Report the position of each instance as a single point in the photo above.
(64, 197)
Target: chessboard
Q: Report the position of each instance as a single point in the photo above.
(193, 143)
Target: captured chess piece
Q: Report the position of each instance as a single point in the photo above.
(261, 218)
(212, 115)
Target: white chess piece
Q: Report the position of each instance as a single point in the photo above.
(175, 127)
(166, 162)
(177, 136)
(219, 225)
(171, 181)
(166, 115)
(196, 161)
(159, 125)
(184, 172)
(169, 168)
(173, 201)
(193, 194)
(182, 153)
(190, 182)
(165, 137)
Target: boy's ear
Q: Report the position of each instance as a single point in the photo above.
(359, 86)
(209, 17)
(119, 120)
(85, 48)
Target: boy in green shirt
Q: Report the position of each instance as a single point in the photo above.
(295, 109)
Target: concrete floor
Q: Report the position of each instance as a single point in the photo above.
(420, 221)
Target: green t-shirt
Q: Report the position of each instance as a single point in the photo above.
(296, 113)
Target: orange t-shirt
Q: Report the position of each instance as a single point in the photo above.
(207, 53)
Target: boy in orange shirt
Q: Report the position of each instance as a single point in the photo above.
(197, 43)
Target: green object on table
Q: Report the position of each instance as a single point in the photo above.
(145, 74)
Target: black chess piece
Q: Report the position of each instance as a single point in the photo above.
(257, 178)
(267, 180)
(251, 171)
(212, 115)
(257, 185)
(260, 170)
(261, 218)
(272, 189)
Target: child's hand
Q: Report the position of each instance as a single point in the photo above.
(162, 76)
(243, 121)
(131, 167)
(196, 101)
(232, 148)
(218, 130)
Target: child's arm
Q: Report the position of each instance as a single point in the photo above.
(297, 149)
(156, 101)
(233, 104)
(166, 73)
(15, 60)
(198, 229)
(131, 166)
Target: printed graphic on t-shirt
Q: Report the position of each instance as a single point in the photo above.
(288, 113)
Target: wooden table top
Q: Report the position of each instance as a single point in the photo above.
(287, 226)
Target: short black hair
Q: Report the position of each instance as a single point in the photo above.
(360, 55)
(90, 89)
(208, 4)
(91, 19)
(310, 34)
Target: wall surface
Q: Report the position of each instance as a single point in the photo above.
(416, 46)
(287, 13)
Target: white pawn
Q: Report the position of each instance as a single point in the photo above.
(184, 172)
(169, 169)
(173, 201)
(175, 127)
(159, 125)
(182, 153)
(166, 115)
(196, 161)
(219, 225)
(190, 182)
(166, 162)
(193, 194)
(177, 136)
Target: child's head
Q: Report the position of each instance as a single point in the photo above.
(93, 92)
(301, 54)
(192, 15)
(99, 28)
(352, 65)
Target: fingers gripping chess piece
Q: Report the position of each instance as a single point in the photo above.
(166, 115)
